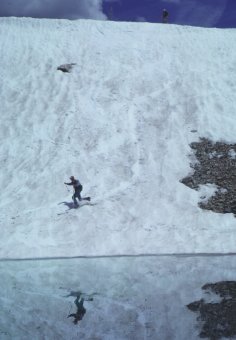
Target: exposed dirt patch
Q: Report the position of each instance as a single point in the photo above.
(216, 164)
(218, 319)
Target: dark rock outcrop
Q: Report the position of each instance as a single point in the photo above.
(215, 164)
(218, 319)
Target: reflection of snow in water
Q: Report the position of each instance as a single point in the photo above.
(124, 298)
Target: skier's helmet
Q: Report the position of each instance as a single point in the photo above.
(72, 178)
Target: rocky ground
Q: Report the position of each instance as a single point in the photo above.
(218, 319)
(215, 164)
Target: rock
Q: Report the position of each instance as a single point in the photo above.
(215, 166)
(217, 319)
(66, 67)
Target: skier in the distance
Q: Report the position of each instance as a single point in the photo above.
(77, 189)
(165, 16)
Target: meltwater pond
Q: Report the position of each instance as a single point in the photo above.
(111, 298)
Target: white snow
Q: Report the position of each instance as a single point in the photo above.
(121, 121)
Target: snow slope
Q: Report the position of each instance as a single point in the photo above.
(121, 122)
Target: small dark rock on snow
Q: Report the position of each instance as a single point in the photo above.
(66, 67)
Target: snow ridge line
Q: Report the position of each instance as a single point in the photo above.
(88, 257)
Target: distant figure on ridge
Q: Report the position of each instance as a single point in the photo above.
(77, 190)
(165, 16)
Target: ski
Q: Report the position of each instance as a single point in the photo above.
(86, 199)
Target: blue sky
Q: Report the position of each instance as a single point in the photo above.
(207, 13)
(216, 13)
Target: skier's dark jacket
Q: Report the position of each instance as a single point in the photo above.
(76, 185)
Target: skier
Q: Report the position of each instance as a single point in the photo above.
(165, 16)
(77, 189)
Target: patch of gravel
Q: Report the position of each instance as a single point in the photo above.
(217, 319)
(215, 164)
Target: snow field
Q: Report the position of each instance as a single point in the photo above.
(121, 121)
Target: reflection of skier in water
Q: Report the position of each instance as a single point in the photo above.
(80, 310)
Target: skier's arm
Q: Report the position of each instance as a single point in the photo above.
(68, 183)
(70, 315)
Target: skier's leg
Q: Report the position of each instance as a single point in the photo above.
(74, 198)
(78, 191)
(77, 195)
(76, 302)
